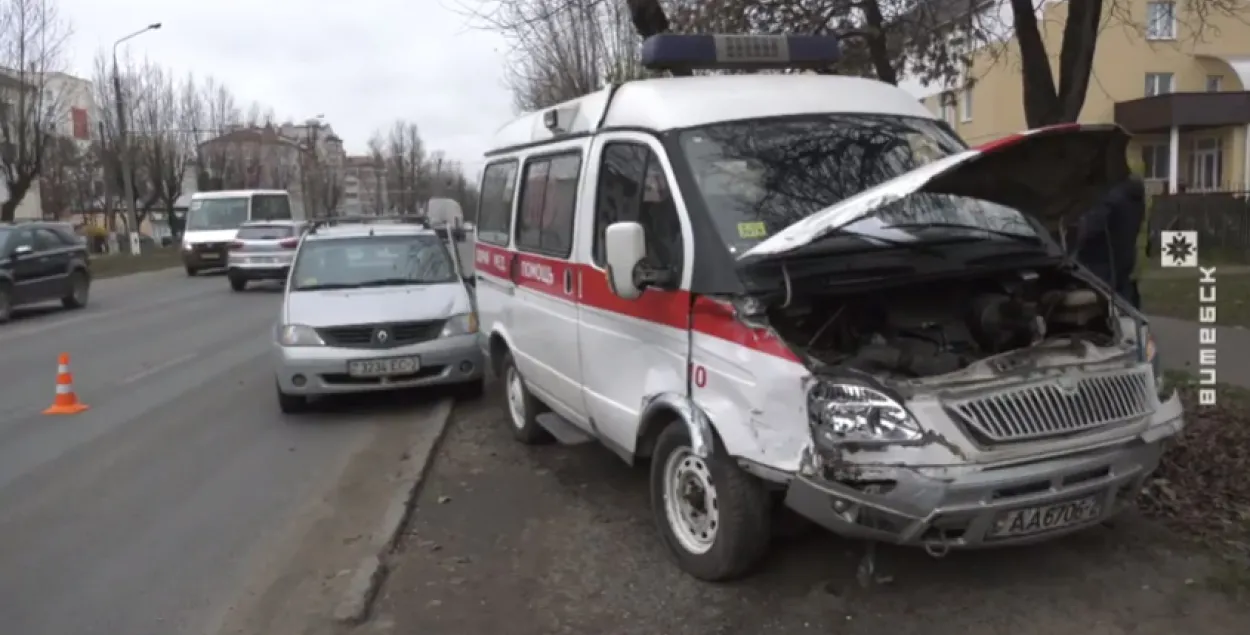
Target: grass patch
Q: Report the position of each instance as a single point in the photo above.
(113, 265)
(1178, 297)
(1201, 490)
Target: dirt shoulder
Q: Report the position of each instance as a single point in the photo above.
(530, 541)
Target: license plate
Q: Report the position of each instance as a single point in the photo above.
(1034, 520)
(209, 256)
(383, 367)
(264, 261)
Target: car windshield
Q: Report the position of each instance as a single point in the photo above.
(216, 213)
(265, 232)
(367, 261)
(757, 177)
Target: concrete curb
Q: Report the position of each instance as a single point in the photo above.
(366, 580)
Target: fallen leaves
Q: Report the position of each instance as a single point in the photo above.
(1202, 487)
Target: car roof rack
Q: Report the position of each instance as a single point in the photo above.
(368, 220)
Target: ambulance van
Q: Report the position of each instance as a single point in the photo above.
(803, 293)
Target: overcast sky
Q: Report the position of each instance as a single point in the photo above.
(361, 63)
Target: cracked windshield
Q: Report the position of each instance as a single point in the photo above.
(391, 318)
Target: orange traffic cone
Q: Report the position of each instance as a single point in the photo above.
(65, 402)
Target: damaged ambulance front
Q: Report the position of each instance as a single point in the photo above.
(970, 385)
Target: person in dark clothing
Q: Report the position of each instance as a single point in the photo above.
(1106, 237)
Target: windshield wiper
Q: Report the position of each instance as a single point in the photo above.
(396, 282)
(1022, 238)
(327, 285)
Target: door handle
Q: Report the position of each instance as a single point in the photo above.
(568, 282)
(514, 264)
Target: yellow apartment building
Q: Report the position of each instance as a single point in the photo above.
(1183, 95)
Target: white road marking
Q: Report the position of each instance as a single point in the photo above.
(152, 370)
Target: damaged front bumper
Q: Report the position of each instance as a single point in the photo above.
(975, 506)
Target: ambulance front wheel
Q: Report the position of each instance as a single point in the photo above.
(714, 517)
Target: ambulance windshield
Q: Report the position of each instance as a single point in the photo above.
(757, 177)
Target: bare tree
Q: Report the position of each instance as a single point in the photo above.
(67, 171)
(1047, 102)
(32, 36)
(404, 154)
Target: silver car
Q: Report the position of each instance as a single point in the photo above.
(372, 307)
(262, 250)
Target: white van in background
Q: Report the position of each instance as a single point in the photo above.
(213, 218)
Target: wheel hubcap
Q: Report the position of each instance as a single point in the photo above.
(80, 289)
(690, 501)
(516, 398)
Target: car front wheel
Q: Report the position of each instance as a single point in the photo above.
(714, 517)
(79, 291)
(237, 283)
(6, 302)
(290, 404)
(523, 407)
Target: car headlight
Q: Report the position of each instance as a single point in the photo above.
(299, 335)
(186, 246)
(1150, 352)
(842, 414)
(463, 324)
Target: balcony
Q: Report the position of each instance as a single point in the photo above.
(1185, 111)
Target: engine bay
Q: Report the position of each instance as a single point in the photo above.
(934, 328)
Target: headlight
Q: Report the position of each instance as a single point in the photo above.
(299, 335)
(463, 324)
(1150, 352)
(846, 413)
(186, 246)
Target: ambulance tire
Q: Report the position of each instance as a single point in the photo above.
(523, 407)
(742, 532)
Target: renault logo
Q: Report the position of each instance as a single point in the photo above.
(382, 336)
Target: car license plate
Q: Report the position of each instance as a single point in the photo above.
(1034, 520)
(383, 367)
(209, 256)
(262, 260)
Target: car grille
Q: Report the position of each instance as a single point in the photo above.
(366, 335)
(210, 246)
(1050, 409)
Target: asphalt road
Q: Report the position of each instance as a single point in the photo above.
(175, 495)
(551, 540)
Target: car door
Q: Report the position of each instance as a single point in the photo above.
(492, 255)
(632, 349)
(29, 273)
(544, 312)
(54, 257)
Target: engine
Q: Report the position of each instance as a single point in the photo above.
(932, 329)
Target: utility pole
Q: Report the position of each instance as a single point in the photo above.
(132, 219)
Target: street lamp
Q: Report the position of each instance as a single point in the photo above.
(132, 219)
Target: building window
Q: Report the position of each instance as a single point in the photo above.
(1154, 158)
(947, 104)
(1215, 83)
(1158, 84)
(1161, 20)
(965, 106)
(1206, 164)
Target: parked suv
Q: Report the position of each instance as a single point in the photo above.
(39, 262)
(803, 291)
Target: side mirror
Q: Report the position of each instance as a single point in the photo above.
(625, 246)
(23, 250)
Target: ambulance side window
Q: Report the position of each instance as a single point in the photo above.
(494, 207)
(544, 222)
(633, 187)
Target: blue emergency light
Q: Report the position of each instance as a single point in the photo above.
(670, 52)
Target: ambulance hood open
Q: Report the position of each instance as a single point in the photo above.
(1053, 174)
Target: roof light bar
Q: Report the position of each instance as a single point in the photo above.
(670, 52)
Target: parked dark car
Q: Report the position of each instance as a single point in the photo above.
(41, 262)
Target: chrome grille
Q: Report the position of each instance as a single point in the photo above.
(365, 335)
(1057, 406)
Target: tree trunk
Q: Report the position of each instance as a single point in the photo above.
(1045, 105)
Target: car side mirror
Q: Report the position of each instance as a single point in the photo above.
(23, 250)
(625, 246)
